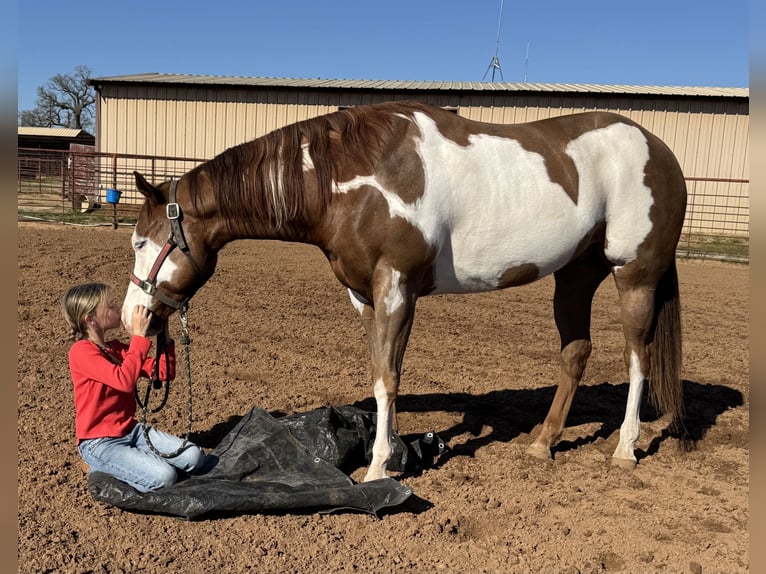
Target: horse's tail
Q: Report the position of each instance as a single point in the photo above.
(665, 384)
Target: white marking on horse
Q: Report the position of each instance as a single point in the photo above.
(308, 163)
(381, 449)
(631, 425)
(357, 301)
(275, 172)
(394, 298)
(626, 199)
(146, 252)
(484, 221)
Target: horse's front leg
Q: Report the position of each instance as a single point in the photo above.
(388, 322)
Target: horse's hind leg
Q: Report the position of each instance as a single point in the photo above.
(637, 309)
(576, 285)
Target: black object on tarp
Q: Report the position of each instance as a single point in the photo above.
(269, 465)
(343, 436)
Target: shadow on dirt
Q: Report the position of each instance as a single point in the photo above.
(510, 413)
(212, 437)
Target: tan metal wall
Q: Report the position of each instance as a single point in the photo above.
(708, 135)
(709, 138)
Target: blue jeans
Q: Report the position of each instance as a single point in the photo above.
(130, 459)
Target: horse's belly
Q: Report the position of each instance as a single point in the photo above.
(478, 263)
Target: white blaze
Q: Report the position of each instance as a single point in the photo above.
(146, 252)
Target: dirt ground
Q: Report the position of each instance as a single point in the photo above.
(273, 328)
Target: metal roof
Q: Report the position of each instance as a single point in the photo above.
(49, 132)
(401, 85)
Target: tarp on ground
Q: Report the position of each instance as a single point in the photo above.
(290, 464)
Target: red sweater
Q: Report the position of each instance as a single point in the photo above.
(104, 392)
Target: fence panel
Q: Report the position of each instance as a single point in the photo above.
(70, 186)
(717, 223)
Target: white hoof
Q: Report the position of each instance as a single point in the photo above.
(374, 474)
(626, 463)
(539, 451)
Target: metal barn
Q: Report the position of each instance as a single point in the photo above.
(182, 119)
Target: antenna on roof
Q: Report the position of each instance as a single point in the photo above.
(526, 64)
(494, 64)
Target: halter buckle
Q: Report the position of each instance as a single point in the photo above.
(173, 211)
(144, 284)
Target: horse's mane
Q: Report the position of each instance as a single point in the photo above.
(257, 193)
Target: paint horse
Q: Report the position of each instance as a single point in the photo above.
(407, 200)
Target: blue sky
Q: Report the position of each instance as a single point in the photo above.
(656, 42)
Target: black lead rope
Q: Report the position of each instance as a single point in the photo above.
(157, 383)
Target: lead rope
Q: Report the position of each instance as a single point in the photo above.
(186, 341)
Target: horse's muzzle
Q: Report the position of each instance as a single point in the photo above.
(156, 324)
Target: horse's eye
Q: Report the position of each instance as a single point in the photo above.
(139, 244)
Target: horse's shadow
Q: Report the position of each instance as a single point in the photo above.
(511, 413)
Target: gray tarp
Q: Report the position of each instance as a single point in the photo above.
(269, 465)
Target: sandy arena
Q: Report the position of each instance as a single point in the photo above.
(274, 328)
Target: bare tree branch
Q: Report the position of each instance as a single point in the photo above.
(65, 100)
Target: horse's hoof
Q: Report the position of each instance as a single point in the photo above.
(370, 476)
(626, 463)
(539, 451)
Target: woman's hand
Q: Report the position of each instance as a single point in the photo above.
(140, 320)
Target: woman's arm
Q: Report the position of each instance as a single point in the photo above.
(87, 361)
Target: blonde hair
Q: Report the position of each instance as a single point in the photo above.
(77, 303)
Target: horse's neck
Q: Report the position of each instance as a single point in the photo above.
(293, 231)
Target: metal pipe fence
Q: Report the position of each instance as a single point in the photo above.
(73, 187)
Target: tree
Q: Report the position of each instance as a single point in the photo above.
(65, 100)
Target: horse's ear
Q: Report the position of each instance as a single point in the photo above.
(148, 190)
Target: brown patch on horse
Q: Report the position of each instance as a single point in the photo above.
(596, 236)
(401, 168)
(519, 275)
(550, 137)
(356, 246)
(666, 214)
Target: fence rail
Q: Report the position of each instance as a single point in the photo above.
(71, 187)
